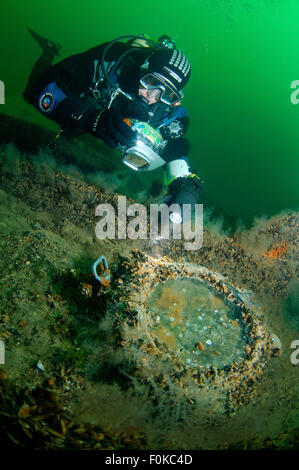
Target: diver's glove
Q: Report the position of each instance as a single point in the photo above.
(175, 148)
(183, 190)
(138, 109)
(109, 126)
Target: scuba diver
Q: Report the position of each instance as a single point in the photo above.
(129, 95)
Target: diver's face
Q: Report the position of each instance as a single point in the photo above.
(150, 96)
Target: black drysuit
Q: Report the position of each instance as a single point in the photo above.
(75, 94)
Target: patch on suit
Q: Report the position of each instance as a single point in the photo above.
(175, 129)
(46, 102)
(50, 98)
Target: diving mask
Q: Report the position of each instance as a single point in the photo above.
(153, 81)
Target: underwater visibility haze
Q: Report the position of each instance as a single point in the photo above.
(178, 349)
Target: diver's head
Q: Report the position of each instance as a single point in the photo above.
(168, 72)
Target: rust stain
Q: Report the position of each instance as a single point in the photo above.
(216, 302)
(173, 303)
(165, 335)
(277, 252)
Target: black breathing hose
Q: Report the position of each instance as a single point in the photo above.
(110, 44)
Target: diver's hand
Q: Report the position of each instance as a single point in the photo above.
(138, 109)
(183, 190)
(111, 128)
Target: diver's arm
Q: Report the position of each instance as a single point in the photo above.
(73, 112)
(61, 96)
(184, 186)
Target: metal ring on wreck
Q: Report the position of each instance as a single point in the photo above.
(143, 274)
(104, 278)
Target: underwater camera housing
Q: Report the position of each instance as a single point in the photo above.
(142, 152)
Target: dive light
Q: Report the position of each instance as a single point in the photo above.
(176, 218)
(185, 198)
(143, 154)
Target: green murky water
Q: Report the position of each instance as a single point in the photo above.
(244, 56)
(197, 323)
(245, 145)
